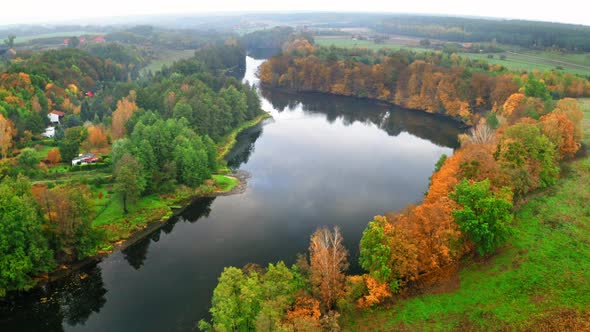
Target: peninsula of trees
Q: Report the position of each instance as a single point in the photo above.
(155, 140)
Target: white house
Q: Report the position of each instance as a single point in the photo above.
(49, 132)
(54, 116)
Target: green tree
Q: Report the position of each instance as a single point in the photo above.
(183, 110)
(129, 181)
(74, 42)
(71, 229)
(211, 153)
(191, 161)
(24, 249)
(492, 120)
(485, 217)
(237, 103)
(10, 41)
(528, 157)
(375, 251)
(28, 158)
(235, 301)
(536, 88)
(69, 146)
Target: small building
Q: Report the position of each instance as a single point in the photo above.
(49, 132)
(99, 39)
(84, 159)
(55, 116)
(10, 54)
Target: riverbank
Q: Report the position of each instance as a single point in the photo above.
(538, 281)
(152, 212)
(228, 142)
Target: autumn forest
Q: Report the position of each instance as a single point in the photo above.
(295, 172)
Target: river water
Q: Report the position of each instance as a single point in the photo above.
(321, 160)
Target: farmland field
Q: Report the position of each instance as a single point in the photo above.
(575, 63)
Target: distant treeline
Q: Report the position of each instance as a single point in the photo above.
(178, 39)
(274, 38)
(528, 34)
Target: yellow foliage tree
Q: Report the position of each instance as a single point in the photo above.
(7, 132)
(124, 111)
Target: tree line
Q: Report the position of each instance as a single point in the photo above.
(436, 82)
(529, 34)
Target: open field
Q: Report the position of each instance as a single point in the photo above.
(65, 34)
(575, 63)
(530, 60)
(538, 281)
(347, 42)
(167, 57)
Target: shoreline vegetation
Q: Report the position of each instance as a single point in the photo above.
(517, 287)
(511, 183)
(157, 210)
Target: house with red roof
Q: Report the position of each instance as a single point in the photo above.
(54, 116)
(99, 39)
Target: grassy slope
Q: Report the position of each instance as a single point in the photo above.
(542, 273)
(528, 60)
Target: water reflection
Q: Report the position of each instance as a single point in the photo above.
(244, 147)
(71, 301)
(437, 129)
(136, 254)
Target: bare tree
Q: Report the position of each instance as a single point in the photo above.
(328, 258)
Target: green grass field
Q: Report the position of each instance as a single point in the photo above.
(347, 42)
(529, 60)
(575, 63)
(541, 277)
(166, 57)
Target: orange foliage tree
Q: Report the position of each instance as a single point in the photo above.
(560, 130)
(305, 314)
(7, 132)
(53, 156)
(378, 292)
(124, 111)
(328, 261)
(96, 140)
(571, 109)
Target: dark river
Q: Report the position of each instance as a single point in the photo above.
(321, 160)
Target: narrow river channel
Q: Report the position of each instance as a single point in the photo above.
(321, 160)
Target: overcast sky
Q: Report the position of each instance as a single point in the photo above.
(29, 11)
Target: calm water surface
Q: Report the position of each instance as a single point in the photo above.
(321, 160)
